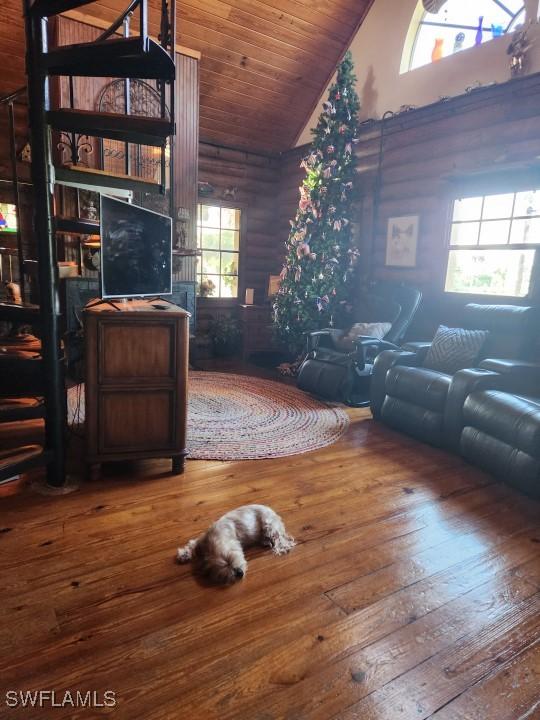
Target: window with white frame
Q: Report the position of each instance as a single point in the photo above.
(493, 244)
(457, 25)
(218, 239)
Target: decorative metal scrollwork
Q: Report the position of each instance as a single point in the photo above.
(76, 146)
(139, 98)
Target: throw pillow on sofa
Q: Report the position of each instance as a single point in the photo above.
(453, 349)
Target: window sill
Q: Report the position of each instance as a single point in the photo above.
(484, 298)
(215, 302)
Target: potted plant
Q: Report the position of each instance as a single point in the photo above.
(225, 334)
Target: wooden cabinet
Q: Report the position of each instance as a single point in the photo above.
(257, 329)
(136, 382)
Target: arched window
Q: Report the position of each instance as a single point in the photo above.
(457, 25)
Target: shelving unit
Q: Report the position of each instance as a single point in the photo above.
(138, 57)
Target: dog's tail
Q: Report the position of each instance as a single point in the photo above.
(185, 554)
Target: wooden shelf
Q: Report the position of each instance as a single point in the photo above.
(76, 226)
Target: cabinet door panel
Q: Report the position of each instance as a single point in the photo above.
(137, 351)
(136, 421)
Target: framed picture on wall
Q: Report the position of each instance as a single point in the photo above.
(402, 241)
(273, 285)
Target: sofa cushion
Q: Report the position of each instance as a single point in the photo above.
(514, 419)
(424, 424)
(512, 328)
(423, 387)
(513, 466)
(454, 349)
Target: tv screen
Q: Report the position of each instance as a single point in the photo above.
(136, 251)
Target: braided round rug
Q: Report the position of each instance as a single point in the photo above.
(239, 417)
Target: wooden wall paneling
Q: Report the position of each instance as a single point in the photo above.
(271, 58)
(21, 138)
(264, 64)
(186, 149)
(484, 131)
(488, 130)
(12, 47)
(201, 14)
(256, 179)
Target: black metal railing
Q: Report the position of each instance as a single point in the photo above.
(9, 102)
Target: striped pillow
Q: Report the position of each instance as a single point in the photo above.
(453, 349)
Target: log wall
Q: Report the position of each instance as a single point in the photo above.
(485, 141)
(254, 180)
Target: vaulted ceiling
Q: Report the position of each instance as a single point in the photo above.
(263, 63)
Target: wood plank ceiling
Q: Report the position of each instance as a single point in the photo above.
(263, 66)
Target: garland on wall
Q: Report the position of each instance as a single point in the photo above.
(316, 279)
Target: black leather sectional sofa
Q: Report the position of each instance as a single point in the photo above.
(490, 414)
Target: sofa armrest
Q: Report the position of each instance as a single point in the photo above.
(519, 376)
(383, 362)
(463, 384)
(315, 338)
(368, 347)
(416, 345)
(372, 342)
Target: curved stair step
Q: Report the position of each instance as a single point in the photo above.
(128, 128)
(78, 175)
(136, 57)
(21, 459)
(46, 8)
(20, 409)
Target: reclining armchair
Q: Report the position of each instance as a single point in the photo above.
(339, 368)
(499, 422)
(427, 403)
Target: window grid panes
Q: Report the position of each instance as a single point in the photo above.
(493, 243)
(459, 25)
(218, 239)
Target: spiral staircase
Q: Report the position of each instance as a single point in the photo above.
(111, 55)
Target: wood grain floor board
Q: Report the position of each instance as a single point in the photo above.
(511, 692)
(332, 685)
(413, 591)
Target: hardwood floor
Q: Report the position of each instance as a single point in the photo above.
(414, 592)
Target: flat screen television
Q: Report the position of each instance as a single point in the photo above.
(136, 251)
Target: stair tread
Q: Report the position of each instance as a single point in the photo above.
(135, 57)
(46, 8)
(92, 176)
(19, 460)
(17, 455)
(21, 314)
(129, 128)
(20, 409)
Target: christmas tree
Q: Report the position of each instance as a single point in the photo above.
(317, 275)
